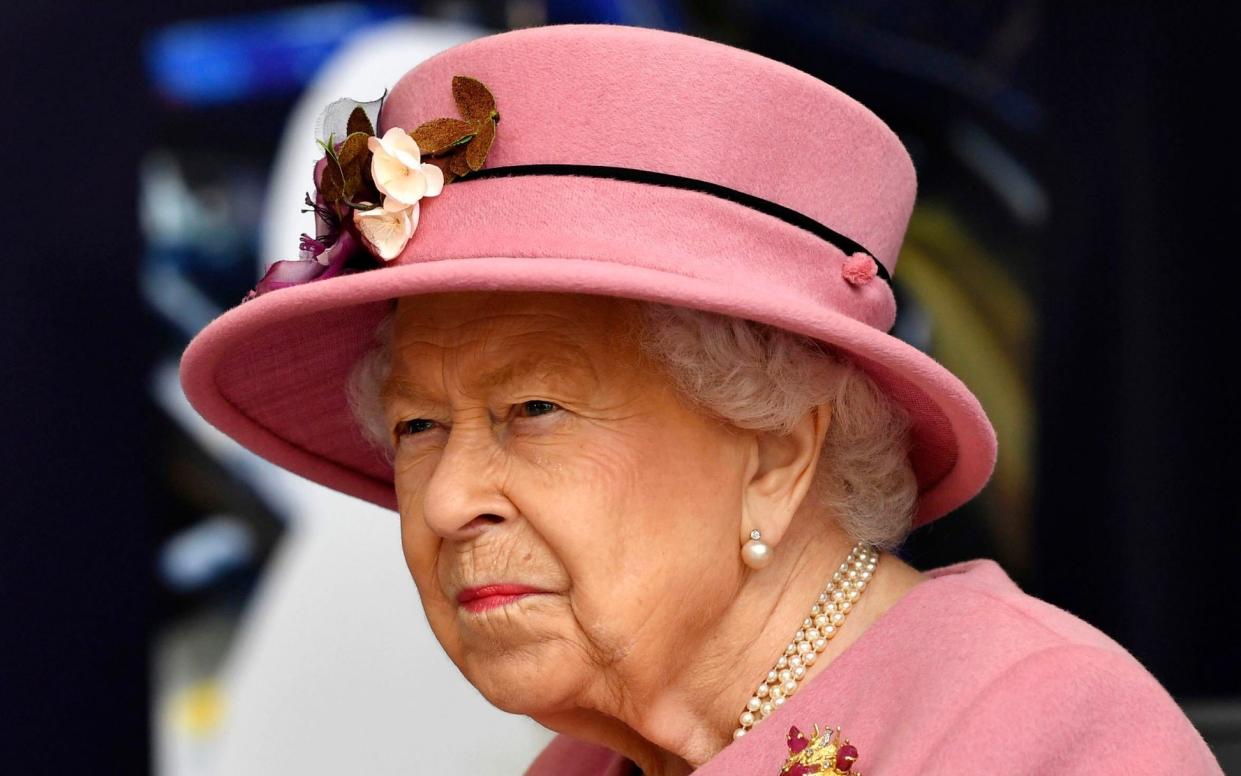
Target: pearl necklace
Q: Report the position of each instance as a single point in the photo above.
(825, 620)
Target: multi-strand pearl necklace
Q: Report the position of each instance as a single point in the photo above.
(826, 618)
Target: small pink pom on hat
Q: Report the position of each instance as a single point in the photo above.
(859, 269)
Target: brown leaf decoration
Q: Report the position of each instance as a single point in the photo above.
(442, 162)
(458, 165)
(355, 169)
(362, 190)
(458, 146)
(476, 151)
(353, 150)
(438, 135)
(474, 100)
(332, 183)
(359, 122)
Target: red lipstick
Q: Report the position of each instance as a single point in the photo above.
(478, 599)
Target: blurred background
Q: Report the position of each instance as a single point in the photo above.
(174, 605)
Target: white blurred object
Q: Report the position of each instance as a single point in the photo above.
(335, 669)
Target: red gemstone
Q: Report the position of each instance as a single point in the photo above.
(797, 741)
(845, 757)
(804, 770)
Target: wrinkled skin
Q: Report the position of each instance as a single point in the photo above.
(579, 470)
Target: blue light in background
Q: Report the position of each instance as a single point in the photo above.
(237, 58)
(663, 14)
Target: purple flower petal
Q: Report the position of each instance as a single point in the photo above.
(329, 263)
(334, 258)
(283, 274)
(322, 257)
(310, 247)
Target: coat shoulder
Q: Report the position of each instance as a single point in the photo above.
(568, 756)
(1039, 689)
(1078, 708)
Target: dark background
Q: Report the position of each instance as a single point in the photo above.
(1123, 114)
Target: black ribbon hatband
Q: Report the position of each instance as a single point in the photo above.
(845, 244)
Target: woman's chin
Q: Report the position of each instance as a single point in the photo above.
(526, 676)
(520, 685)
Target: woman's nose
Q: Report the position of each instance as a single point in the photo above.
(465, 494)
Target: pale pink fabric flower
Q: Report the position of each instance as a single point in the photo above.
(399, 172)
(385, 232)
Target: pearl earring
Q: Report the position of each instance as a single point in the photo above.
(756, 553)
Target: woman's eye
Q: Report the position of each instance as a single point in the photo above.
(406, 427)
(539, 407)
(532, 408)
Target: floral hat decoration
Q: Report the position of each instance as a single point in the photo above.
(368, 189)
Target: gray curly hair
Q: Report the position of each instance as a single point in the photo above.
(759, 377)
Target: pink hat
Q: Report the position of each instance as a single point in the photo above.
(630, 162)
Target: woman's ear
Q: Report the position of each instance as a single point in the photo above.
(779, 474)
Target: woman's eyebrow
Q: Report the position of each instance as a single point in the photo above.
(535, 366)
(402, 389)
(498, 377)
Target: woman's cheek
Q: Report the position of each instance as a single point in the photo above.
(416, 452)
(419, 543)
(419, 547)
(589, 506)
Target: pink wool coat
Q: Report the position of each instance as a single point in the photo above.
(965, 675)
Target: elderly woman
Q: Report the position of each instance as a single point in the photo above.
(627, 383)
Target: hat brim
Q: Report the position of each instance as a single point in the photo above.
(271, 373)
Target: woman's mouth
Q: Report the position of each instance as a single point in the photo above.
(480, 599)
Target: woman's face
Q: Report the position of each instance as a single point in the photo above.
(534, 447)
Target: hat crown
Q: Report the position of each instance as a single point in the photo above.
(612, 95)
(817, 175)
